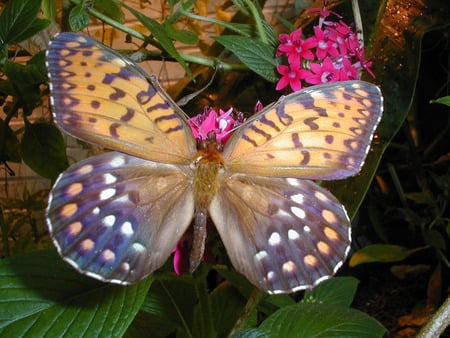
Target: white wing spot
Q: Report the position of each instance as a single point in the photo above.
(109, 220)
(119, 62)
(123, 199)
(306, 228)
(300, 213)
(96, 211)
(261, 255)
(271, 275)
(107, 193)
(125, 267)
(298, 198)
(283, 213)
(293, 235)
(293, 181)
(109, 178)
(138, 247)
(274, 239)
(117, 161)
(127, 229)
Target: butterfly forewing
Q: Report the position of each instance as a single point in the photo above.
(102, 97)
(117, 217)
(283, 234)
(323, 132)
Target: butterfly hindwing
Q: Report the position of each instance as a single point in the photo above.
(117, 217)
(283, 234)
(102, 97)
(323, 132)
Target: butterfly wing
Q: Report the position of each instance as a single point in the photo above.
(117, 218)
(323, 132)
(283, 234)
(102, 97)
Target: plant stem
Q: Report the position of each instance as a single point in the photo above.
(258, 21)
(439, 322)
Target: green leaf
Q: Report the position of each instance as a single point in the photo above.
(24, 81)
(30, 74)
(11, 153)
(78, 18)
(321, 320)
(271, 34)
(434, 238)
(256, 55)
(183, 36)
(381, 253)
(227, 304)
(442, 100)
(336, 291)
(41, 296)
(111, 9)
(236, 279)
(16, 20)
(43, 149)
(49, 9)
(160, 34)
(33, 28)
(169, 303)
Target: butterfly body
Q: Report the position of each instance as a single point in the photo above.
(117, 216)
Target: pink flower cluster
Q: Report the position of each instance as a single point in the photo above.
(334, 53)
(221, 124)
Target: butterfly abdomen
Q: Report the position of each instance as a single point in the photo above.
(207, 163)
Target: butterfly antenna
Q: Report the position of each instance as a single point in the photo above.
(184, 100)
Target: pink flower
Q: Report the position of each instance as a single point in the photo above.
(322, 73)
(290, 76)
(295, 48)
(182, 251)
(181, 257)
(258, 107)
(324, 46)
(220, 124)
(362, 62)
(347, 71)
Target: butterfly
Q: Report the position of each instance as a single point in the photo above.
(117, 216)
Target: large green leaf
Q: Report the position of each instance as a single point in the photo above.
(256, 55)
(11, 151)
(41, 296)
(43, 149)
(19, 21)
(169, 304)
(336, 291)
(321, 320)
